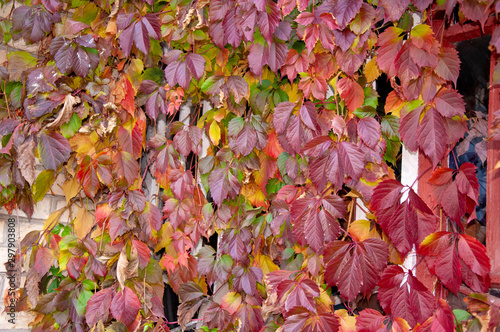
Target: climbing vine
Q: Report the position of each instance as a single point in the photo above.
(284, 137)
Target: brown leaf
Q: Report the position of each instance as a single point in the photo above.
(31, 286)
(126, 268)
(66, 111)
(83, 222)
(26, 160)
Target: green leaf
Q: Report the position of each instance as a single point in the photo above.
(371, 97)
(84, 297)
(86, 14)
(89, 284)
(461, 315)
(70, 128)
(154, 74)
(42, 184)
(18, 62)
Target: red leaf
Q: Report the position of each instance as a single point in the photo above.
(449, 103)
(143, 252)
(441, 176)
(311, 322)
(408, 128)
(268, 20)
(443, 320)
(473, 254)
(301, 294)
(295, 134)
(355, 267)
(313, 232)
(369, 131)
(406, 223)
(467, 182)
(452, 201)
(350, 61)
(352, 159)
(98, 306)
(390, 42)
(351, 92)
(408, 299)
(431, 136)
(370, 320)
(405, 67)
(394, 9)
(456, 257)
(422, 4)
(448, 66)
(125, 306)
(44, 260)
(53, 149)
(126, 166)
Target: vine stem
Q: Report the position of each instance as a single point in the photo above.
(420, 175)
(352, 204)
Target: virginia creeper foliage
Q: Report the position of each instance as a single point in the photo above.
(284, 137)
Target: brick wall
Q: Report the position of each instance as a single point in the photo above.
(24, 225)
(52, 201)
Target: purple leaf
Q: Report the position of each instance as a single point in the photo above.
(309, 116)
(141, 37)
(256, 58)
(238, 87)
(53, 149)
(369, 131)
(281, 115)
(182, 75)
(345, 10)
(449, 103)
(80, 62)
(124, 20)
(152, 24)
(246, 140)
(126, 38)
(196, 65)
(277, 55)
(230, 30)
(218, 185)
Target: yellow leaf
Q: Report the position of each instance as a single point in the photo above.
(214, 132)
(371, 70)
(266, 264)
(135, 72)
(292, 92)
(254, 195)
(361, 230)
(81, 143)
(231, 302)
(165, 234)
(71, 188)
(53, 220)
(83, 222)
(347, 323)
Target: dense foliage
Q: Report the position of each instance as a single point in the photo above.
(284, 139)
